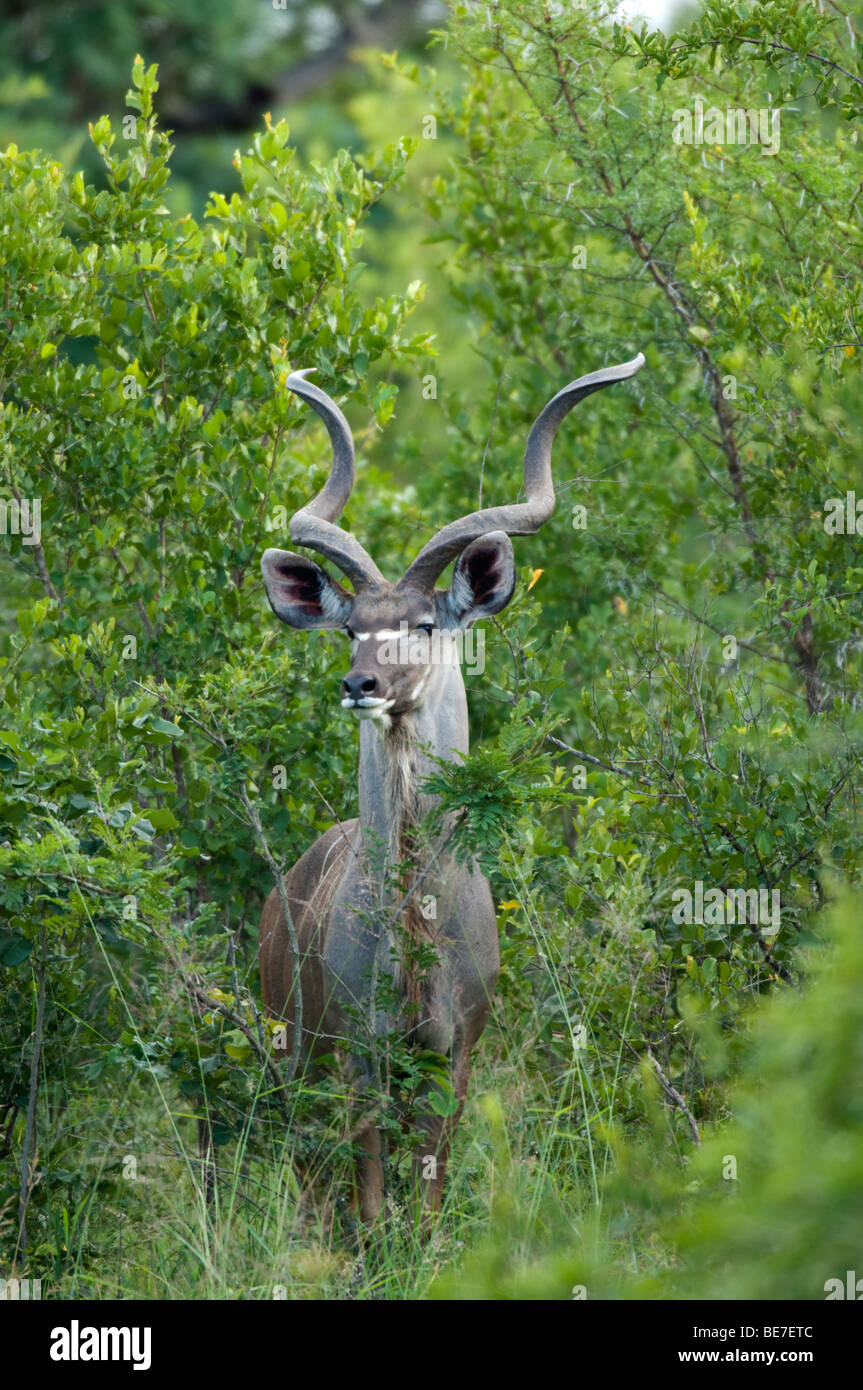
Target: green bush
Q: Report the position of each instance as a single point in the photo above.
(769, 1208)
(672, 699)
(145, 702)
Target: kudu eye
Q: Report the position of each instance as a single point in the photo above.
(425, 627)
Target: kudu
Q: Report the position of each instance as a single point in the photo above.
(350, 920)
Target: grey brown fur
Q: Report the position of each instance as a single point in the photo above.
(348, 911)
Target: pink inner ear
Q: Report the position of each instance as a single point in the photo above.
(485, 585)
(485, 574)
(300, 589)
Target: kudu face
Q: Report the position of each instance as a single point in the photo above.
(401, 638)
(403, 634)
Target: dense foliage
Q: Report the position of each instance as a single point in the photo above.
(671, 705)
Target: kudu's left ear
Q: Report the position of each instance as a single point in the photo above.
(301, 593)
(483, 580)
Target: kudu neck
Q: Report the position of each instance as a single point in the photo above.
(394, 761)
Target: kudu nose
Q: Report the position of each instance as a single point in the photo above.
(355, 687)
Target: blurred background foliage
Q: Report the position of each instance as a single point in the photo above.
(449, 232)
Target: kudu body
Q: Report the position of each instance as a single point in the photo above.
(355, 915)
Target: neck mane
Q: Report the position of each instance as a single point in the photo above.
(394, 761)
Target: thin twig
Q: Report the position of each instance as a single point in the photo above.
(673, 1094)
(26, 1182)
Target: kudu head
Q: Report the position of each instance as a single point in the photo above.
(402, 632)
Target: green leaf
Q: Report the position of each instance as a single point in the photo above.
(14, 951)
(164, 726)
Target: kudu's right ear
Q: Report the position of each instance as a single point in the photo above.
(301, 593)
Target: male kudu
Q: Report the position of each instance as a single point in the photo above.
(350, 920)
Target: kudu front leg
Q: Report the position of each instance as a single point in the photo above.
(434, 1139)
(369, 1179)
(370, 1173)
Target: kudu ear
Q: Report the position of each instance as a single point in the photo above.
(483, 580)
(301, 593)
